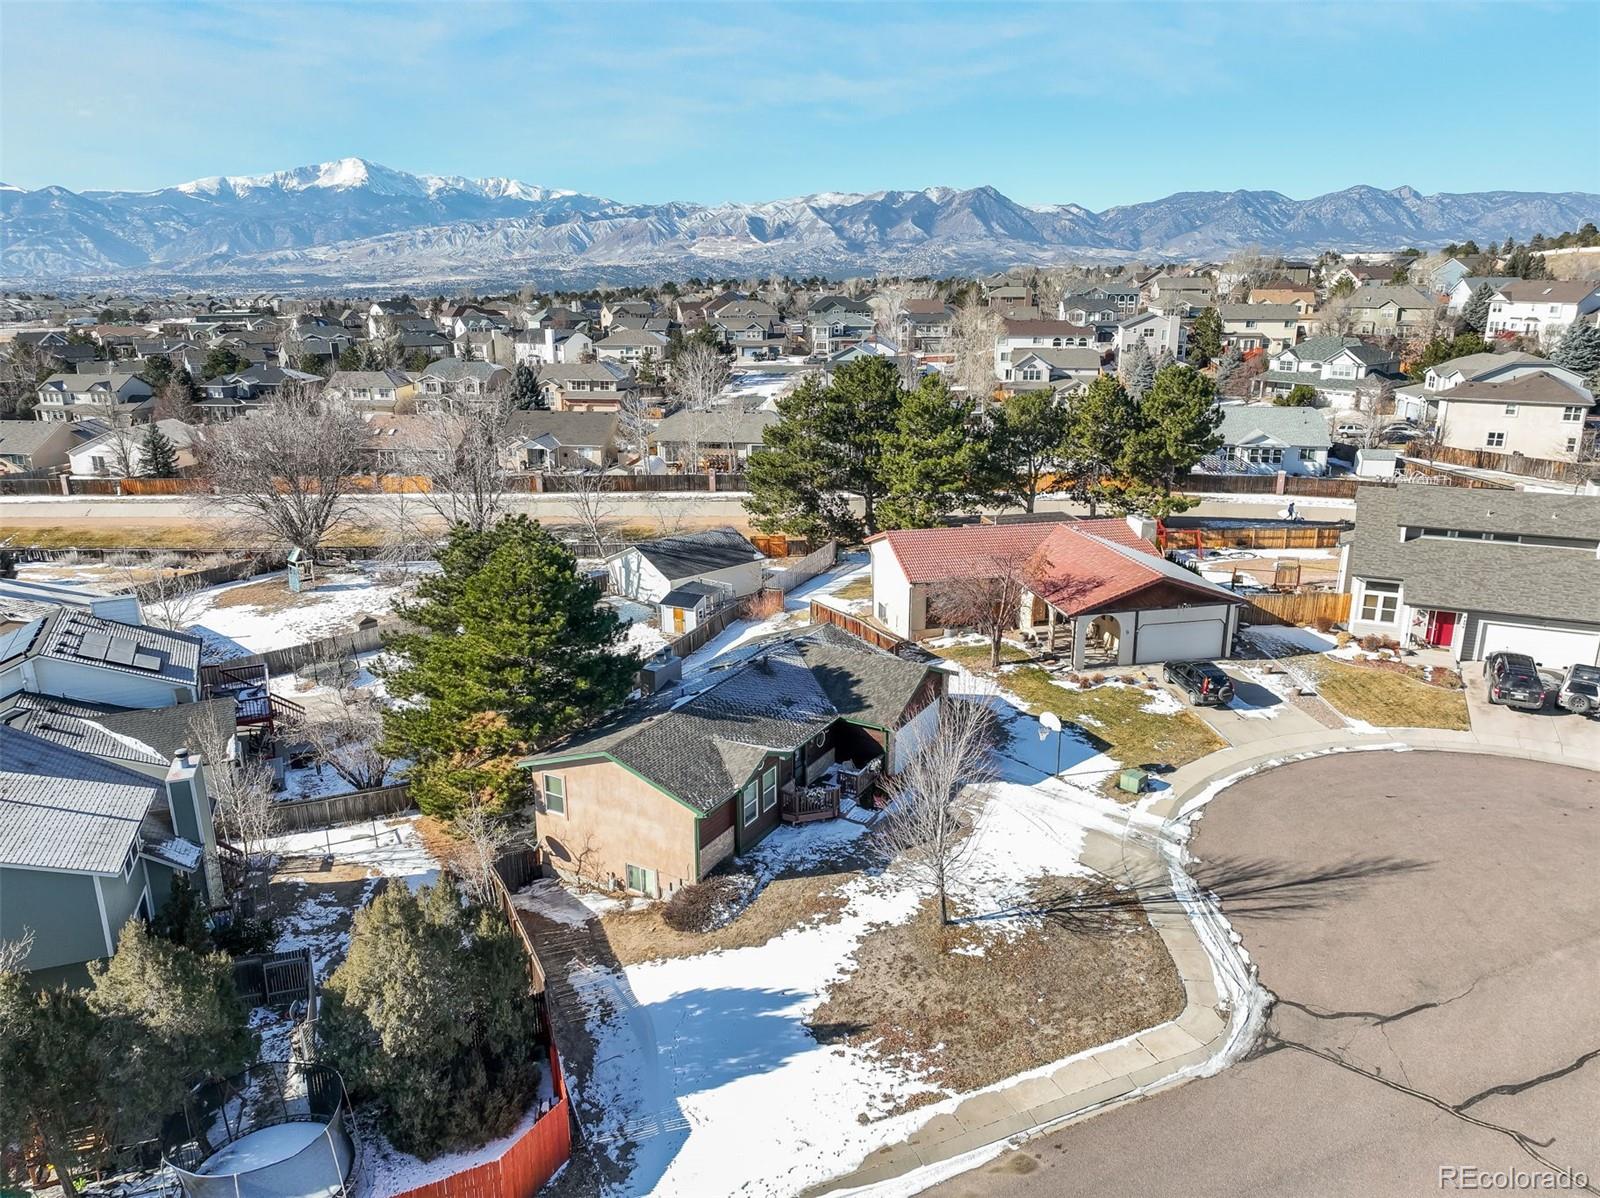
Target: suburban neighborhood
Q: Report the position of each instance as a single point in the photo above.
(505, 691)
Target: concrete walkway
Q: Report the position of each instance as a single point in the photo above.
(1220, 1016)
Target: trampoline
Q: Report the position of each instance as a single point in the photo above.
(277, 1130)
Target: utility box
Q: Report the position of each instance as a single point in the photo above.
(1132, 780)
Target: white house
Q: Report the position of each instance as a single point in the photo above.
(1055, 369)
(1266, 439)
(73, 397)
(1018, 336)
(1335, 366)
(1461, 294)
(1473, 571)
(1542, 414)
(718, 557)
(1096, 588)
(1259, 326)
(1540, 308)
(1156, 332)
(551, 346)
(631, 346)
(119, 452)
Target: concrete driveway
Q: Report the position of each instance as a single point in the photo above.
(1255, 714)
(1430, 925)
(1576, 736)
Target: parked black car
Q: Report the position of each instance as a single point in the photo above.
(1514, 680)
(1203, 681)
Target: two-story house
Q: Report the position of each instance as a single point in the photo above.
(587, 386)
(1181, 295)
(1158, 333)
(372, 390)
(1390, 311)
(1543, 414)
(550, 345)
(927, 329)
(1333, 365)
(1259, 326)
(1461, 294)
(1017, 337)
(835, 322)
(1540, 309)
(631, 347)
(452, 376)
(72, 397)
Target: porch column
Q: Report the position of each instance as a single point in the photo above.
(1080, 633)
(1050, 622)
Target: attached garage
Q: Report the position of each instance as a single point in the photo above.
(1203, 637)
(1557, 648)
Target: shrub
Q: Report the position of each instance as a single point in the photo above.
(245, 936)
(708, 905)
(1343, 639)
(1323, 624)
(763, 605)
(1097, 679)
(1372, 642)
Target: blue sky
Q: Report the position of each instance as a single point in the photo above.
(1096, 104)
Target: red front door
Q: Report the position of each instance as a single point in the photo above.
(1441, 628)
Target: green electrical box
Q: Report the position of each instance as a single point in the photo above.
(1132, 780)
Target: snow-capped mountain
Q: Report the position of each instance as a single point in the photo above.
(351, 222)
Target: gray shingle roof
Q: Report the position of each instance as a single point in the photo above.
(692, 553)
(1303, 427)
(795, 687)
(65, 810)
(566, 428)
(26, 436)
(1279, 312)
(1548, 582)
(69, 635)
(737, 427)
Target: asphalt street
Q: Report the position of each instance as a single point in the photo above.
(1430, 926)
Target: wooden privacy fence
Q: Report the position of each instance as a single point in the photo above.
(530, 1160)
(793, 574)
(1424, 472)
(1511, 463)
(289, 658)
(1290, 485)
(310, 815)
(1307, 608)
(821, 613)
(1315, 536)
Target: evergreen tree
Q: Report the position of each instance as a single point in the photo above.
(1440, 349)
(312, 364)
(1027, 444)
(349, 359)
(1138, 370)
(156, 371)
(167, 1015)
(1301, 395)
(221, 361)
(1525, 264)
(182, 918)
(430, 1020)
(1205, 338)
(1176, 426)
(936, 460)
(1579, 349)
(1230, 363)
(371, 357)
(510, 650)
(1475, 315)
(1099, 423)
(160, 454)
(52, 1070)
(525, 392)
(826, 446)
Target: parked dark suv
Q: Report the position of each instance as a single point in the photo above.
(1205, 684)
(1514, 680)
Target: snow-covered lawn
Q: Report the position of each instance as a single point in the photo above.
(706, 1077)
(643, 633)
(257, 614)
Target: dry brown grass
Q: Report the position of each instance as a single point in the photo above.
(270, 594)
(1386, 698)
(801, 900)
(1090, 969)
(860, 588)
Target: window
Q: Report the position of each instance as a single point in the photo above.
(1571, 414)
(1572, 445)
(1380, 601)
(752, 795)
(769, 788)
(130, 860)
(1511, 409)
(641, 880)
(555, 794)
(1495, 441)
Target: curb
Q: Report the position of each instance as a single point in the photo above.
(1220, 1018)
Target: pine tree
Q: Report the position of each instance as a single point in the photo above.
(160, 454)
(53, 1067)
(1176, 426)
(429, 1019)
(167, 1015)
(1138, 370)
(1099, 423)
(826, 446)
(182, 918)
(936, 460)
(525, 392)
(1301, 395)
(1475, 315)
(1205, 338)
(511, 650)
(1579, 349)
(1027, 444)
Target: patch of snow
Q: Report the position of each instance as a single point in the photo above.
(260, 1148)
(1161, 702)
(387, 848)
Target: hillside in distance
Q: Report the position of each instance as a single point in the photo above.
(351, 223)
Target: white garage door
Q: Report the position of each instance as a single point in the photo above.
(1557, 648)
(1187, 640)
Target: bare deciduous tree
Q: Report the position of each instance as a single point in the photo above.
(119, 444)
(241, 790)
(346, 734)
(482, 835)
(988, 600)
(14, 952)
(593, 509)
(462, 455)
(972, 336)
(698, 375)
(285, 471)
(169, 597)
(938, 796)
(1374, 400)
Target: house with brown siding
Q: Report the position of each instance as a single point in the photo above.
(663, 793)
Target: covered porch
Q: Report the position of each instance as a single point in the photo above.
(1144, 627)
(840, 767)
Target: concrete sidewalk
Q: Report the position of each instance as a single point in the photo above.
(1211, 1030)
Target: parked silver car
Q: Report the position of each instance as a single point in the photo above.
(1580, 690)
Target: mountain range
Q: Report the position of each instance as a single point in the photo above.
(351, 224)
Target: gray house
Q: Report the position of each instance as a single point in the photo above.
(1473, 571)
(1264, 439)
(74, 655)
(99, 811)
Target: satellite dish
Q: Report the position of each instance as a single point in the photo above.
(1051, 721)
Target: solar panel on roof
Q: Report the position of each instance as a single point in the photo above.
(121, 651)
(94, 646)
(146, 661)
